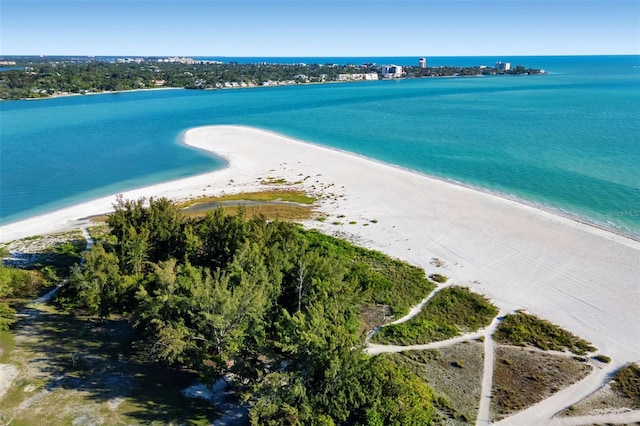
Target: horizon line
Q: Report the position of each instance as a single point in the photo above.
(42, 55)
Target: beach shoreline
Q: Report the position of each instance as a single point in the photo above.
(572, 216)
(104, 92)
(577, 275)
(551, 210)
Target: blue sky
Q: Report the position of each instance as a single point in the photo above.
(319, 28)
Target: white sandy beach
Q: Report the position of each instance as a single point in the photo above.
(582, 278)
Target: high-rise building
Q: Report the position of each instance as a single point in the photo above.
(503, 66)
(422, 63)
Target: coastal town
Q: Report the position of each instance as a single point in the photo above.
(37, 77)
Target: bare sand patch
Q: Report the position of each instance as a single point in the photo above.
(8, 373)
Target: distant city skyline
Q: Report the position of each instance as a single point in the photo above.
(319, 28)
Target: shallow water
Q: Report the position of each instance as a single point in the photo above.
(567, 140)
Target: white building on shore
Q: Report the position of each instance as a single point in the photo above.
(392, 71)
(503, 66)
(356, 77)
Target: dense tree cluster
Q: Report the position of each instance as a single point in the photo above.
(448, 71)
(45, 79)
(42, 78)
(273, 307)
(10, 280)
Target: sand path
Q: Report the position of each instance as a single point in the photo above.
(416, 309)
(48, 296)
(628, 417)
(543, 412)
(8, 372)
(540, 413)
(484, 412)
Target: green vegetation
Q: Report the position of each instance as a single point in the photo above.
(11, 281)
(454, 372)
(383, 280)
(18, 287)
(271, 304)
(41, 270)
(627, 382)
(523, 329)
(100, 232)
(273, 181)
(603, 358)
(45, 77)
(268, 210)
(54, 257)
(275, 204)
(620, 394)
(292, 196)
(7, 343)
(439, 278)
(452, 311)
(97, 374)
(42, 77)
(284, 311)
(523, 377)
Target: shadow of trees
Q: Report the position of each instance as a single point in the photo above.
(103, 363)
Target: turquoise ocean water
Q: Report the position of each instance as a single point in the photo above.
(568, 140)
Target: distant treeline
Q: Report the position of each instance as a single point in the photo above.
(37, 77)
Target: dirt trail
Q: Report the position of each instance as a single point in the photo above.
(374, 348)
(412, 313)
(484, 411)
(47, 297)
(416, 309)
(541, 413)
(538, 414)
(628, 417)
(9, 372)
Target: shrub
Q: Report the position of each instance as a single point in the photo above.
(451, 311)
(438, 278)
(382, 279)
(523, 329)
(458, 363)
(627, 382)
(603, 358)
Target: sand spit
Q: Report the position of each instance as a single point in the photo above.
(580, 277)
